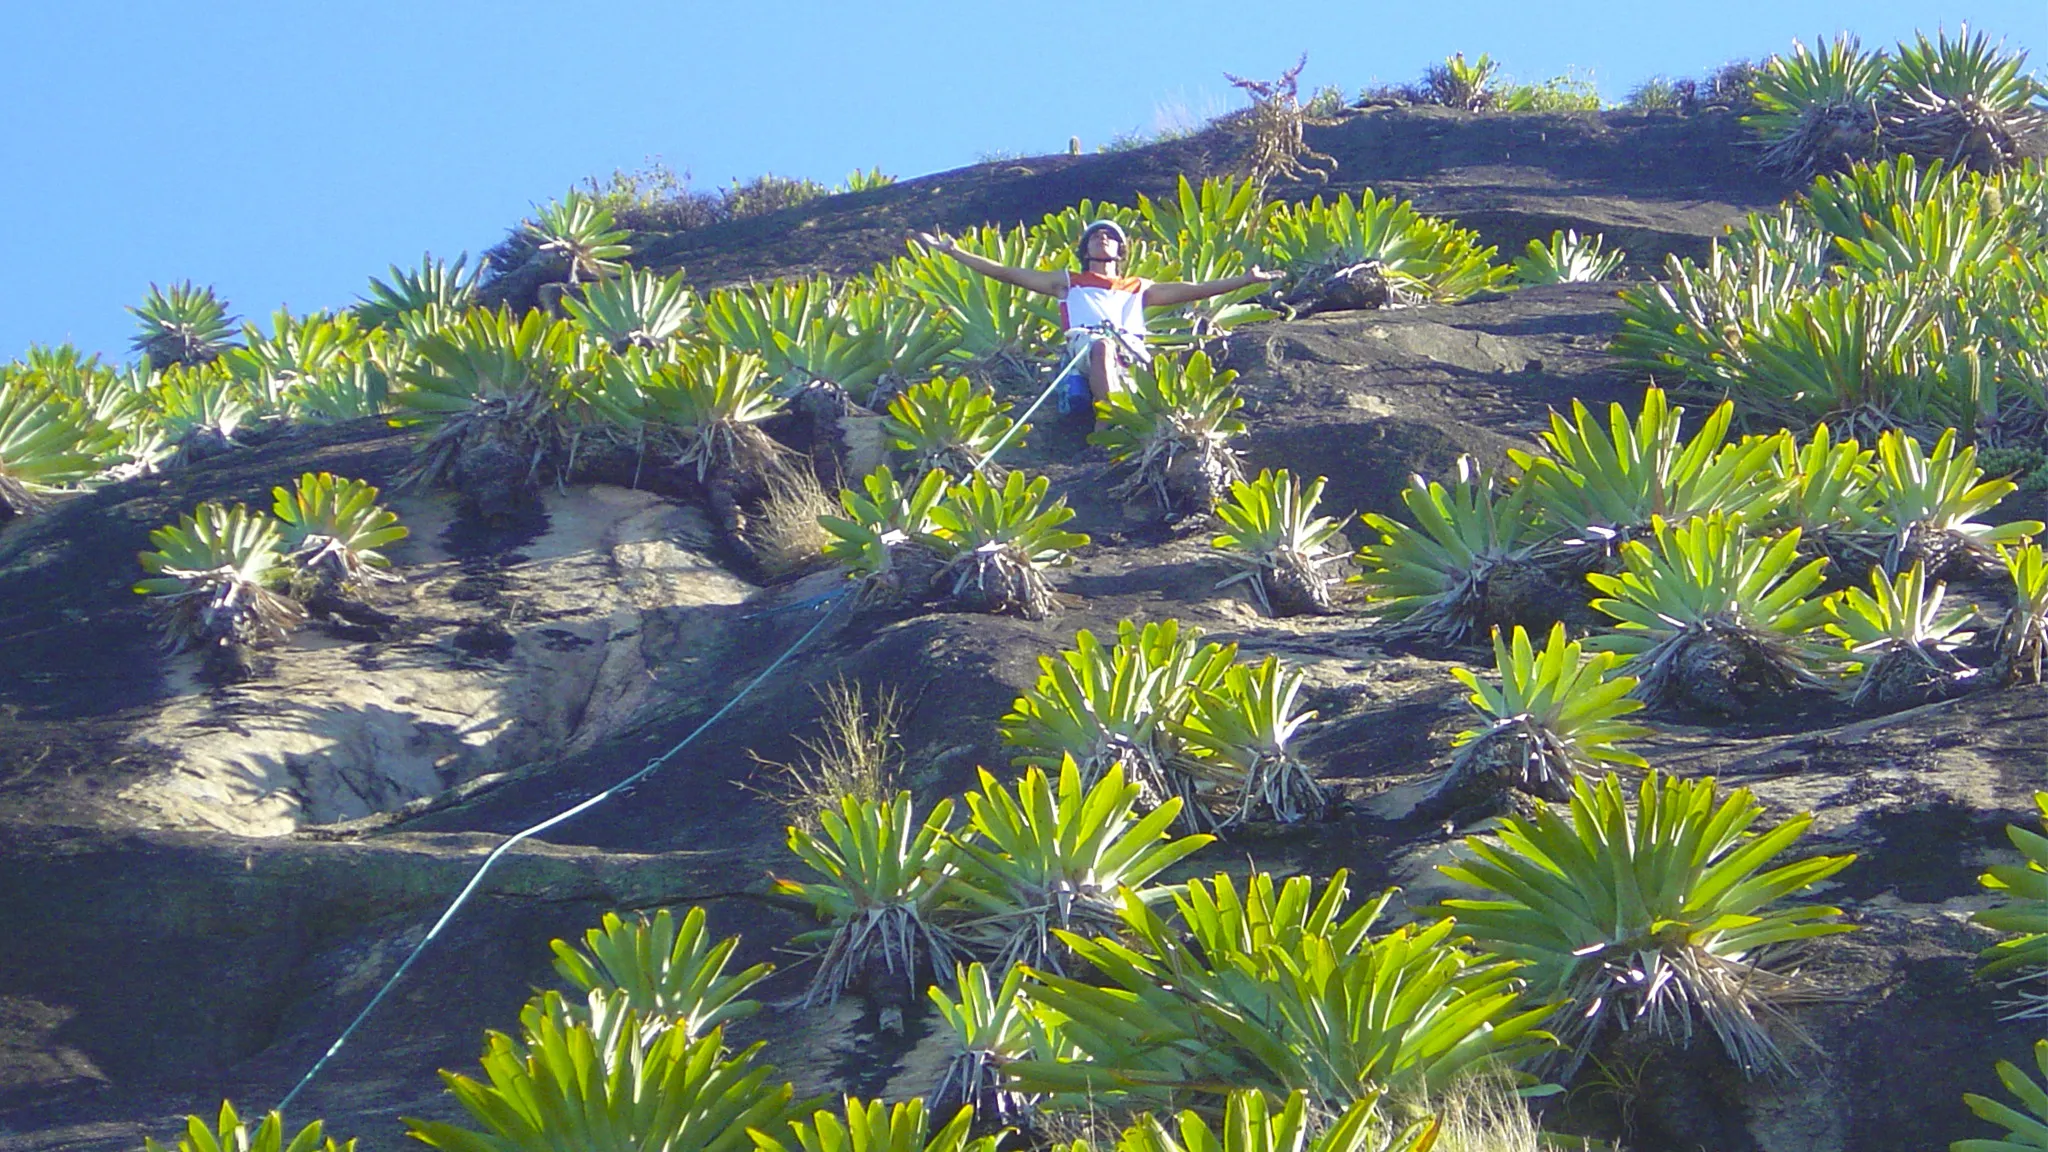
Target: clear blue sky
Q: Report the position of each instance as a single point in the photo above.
(285, 152)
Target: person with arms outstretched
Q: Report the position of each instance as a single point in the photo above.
(1101, 309)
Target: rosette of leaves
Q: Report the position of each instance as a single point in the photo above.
(488, 392)
(662, 969)
(1857, 353)
(184, 325)
(332, 530)
(2024, 1131)
(232, 1134)
(1711, 617)
(997, 541)
(910, 338)
(638, 309)
(1046, 858)
(213, 572)
(611, 1085)
(1568, 258)
(2022, 910)
(1412, 256)
(1466, 564)
(48, 442)
(274, 369)
(886, 876)
(1237, 735)
(1110, 706)
(198, 410)
(1690, 323)
(1002, 327)
(1606, 485)
(1962, 100)
(1817, 109)
(1555, 716)
(1901, 642)
(1170, 432)
(1826, 487)
(948, 425)
(1250, 1124)
(877, 1127)
(1208, 232)
(436, 284)
(1278, 995)
(700, 407)
(762, 318)
(1659, 915)
(2023, 638)
(1283, 546)
(886, 539)
(1928, 503)
(575, 235)
(989, 1027)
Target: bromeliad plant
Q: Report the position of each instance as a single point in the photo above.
(1420, 257)
(948, 425)
(1826, 487)
(1555, 716)
(2024, 1131)
(1251, 1124)
(185, 325)
(1817, 109)
(1278, 995)
(1043, 858)
(2023, 911)
(1962, 101)
(1170, 431)
(198, 411)
(332, 530)
(663, 970)
(2023, 638)
(611, 1084)
(1607, 485)
(887, 539)
(232, 1134)
(1900, 642)
(48, 443)
(1928, 503)
(998, 540)
(1466, 564)
(1235, 740)
(877, 1127)
(639, 309)
(1114, 706)
(575, 233)
(213, 571)
(1657, 915)
(1711, 617)
(989, 1027)
(1568, 258)
(435, 284)
(1282, 544)
(887, 876)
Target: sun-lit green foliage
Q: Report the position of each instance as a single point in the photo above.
(1251, 1123)
(212, 572)
(2024, 1131)
(436, 284)
(1556, 715)
(883, 522)
(1962, 100)
(1709, 593)
(672, 971)
(2023, 903)
(1237, 735)
(575, 235)
(2023, 638)
(1898, 637)
(1278, 993)
(1607, 484)
(232, 1134)
(1169, 432)
(636, 309)
(1817, 109)
(1658, 914)
(1568, 258)
(609, 1083)
(1826, 487)
(1455, 570)
(1422, 257)
(1273, 532)
(272, 370)
(885, 874)
(696, 405)
(877, 1126)
(1928, 503)
(997, 540)
(332, 528)
(866, 180)
(183, 325)
(990, 1026)
(949, 425)
(198, 409)
(491, 384)
(998, 323)
(1049, 857)
(48, 442)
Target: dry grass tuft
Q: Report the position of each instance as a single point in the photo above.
(1481, 1113)
(783, 532)
(858, 752)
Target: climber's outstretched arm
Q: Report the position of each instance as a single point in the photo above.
(1170, 292)
(1029, 279)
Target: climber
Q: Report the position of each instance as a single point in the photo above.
(1101, 310)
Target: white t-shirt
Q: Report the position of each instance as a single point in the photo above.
(1093, 298)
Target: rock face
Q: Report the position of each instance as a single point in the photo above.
(203, 886)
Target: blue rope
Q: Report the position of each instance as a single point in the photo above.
(470, 888)
(1021, 421)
